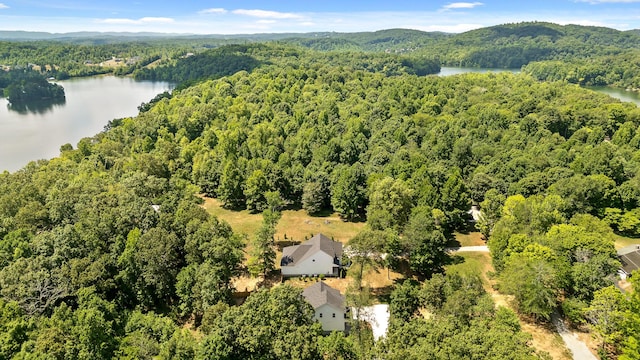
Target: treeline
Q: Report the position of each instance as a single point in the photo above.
(21, 86)
(227, 60)
(620, 71)
(63, 59)
(503, 46)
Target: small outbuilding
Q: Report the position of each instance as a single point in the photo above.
(328, 304)
(630, 259)
(317, 256)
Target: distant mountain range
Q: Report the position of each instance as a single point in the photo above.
(379, 35)
(501, 46)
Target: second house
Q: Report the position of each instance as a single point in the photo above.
(317, 256)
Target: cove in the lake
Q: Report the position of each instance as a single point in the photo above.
(621, 94)
(34, 132)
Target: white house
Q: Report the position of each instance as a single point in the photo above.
(629, 259)
(328, 304)
(318, 255)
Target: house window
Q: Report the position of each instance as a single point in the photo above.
(334, 314)
(345, 315)
(320, 315)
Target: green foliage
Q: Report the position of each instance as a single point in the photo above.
(535, 285)
(262, 258)
(390, 204)
(337, 346)
(425, 244)
(348, 191)
(24, 86)
(271, 324)
(490, 213)
(574, 311)
(211, 64)
(462, 324)
(405, 301)
(230, 190)
(606, 314)
(256, 186)
(314, 196)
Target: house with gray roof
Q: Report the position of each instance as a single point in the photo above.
(319, 255)
(329, 306)
(630, 259)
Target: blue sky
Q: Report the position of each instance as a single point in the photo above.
(244, 16)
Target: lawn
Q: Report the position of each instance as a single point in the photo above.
(623, 241)
(471, 264)
(294, 225)
(467, 239)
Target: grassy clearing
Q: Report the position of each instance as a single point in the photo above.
(296, 225)
(242, 222)
(468, 239)
(472, 263)
(623, 241)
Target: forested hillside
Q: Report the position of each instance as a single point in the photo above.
(227, 60)
(589, 55)
(91, 268)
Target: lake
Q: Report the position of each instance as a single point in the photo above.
(623, 95)
(38, 133)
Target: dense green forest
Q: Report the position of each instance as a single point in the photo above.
(91, 268)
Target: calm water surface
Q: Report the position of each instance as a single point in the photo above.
(32, 134)
(623, 95)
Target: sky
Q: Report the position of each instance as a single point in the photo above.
(252, 16)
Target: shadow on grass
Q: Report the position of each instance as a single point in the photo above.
(454, 260)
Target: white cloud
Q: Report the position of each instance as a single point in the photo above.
(266, 14)
(3, 6)
(461, 5)
(266, 21)
(213, 11)
(141, 21)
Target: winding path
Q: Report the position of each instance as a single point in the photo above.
(578, 348)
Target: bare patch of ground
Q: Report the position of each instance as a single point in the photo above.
(546, 339)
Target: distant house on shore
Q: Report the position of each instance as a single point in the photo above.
(317, 256)
(328, 304)
(630, 258)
